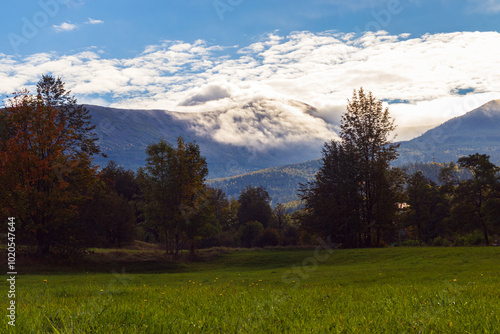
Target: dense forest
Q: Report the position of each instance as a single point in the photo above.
(353, 196)
(282, 182)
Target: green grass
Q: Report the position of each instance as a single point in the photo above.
(392, 290)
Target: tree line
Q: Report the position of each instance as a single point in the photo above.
(359, 200)
(66, 205)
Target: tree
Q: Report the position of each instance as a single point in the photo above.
(172, 184)
(448, 176)
(254, 206)
(428, 207)
(365, 128)
(156, 182)
(268, 237)
(280, 218)
(332, 200)
(249, 233)
(353, 197)
(121, 180)
(74, 117)
(491, 213)
(108, 219)
(43, 180)
(220, 203)
(476, 192)
(200, 220)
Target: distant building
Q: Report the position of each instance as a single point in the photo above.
(403, 205)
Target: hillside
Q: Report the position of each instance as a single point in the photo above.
(476, 131)
(268, 133)
(259, 135)
(281, 182)
(124, 135)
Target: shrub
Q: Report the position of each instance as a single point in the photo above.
(249, 232)
(221, 239)
(290, 236)
(471, 239)
(268, 237)
(440, 241)
(410, 243)
(474, 239)
(306, 239)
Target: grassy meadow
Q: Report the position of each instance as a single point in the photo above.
(390, 290)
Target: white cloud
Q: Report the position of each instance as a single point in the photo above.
(65, 26)
(92, 21)
(321, 69)
(262, 124)
(212, 92)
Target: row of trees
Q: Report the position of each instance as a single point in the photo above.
(65, 204)
(175, 207)
(455, 207)
(359, 200)
(181, 210)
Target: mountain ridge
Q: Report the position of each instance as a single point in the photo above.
(476, 131)
(258, 135)
(275, 133)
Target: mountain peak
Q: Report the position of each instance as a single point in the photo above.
(489, 109)
(476, 131)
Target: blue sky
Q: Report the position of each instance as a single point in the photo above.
(429, 59)
(129, 26)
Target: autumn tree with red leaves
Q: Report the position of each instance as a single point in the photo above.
(43, 179)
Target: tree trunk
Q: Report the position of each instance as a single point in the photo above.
(485, 231)
(42, 245)
(379, 236)
(192, 249)
(177, 244)
(167, 246)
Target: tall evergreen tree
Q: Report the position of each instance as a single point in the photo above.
(366, 128)
(332, 200)
(354, 195)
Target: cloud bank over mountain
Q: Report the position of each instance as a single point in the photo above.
(426, 79)
(262, 125)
